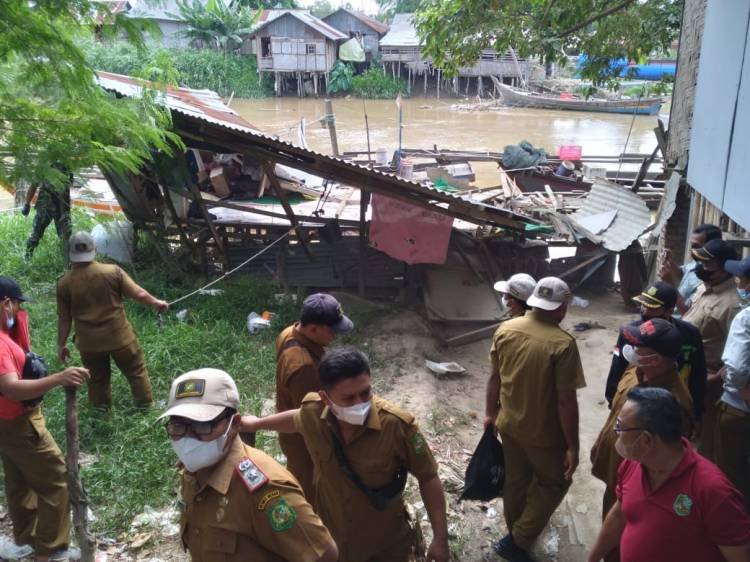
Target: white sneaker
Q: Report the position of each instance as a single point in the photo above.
(9, 550)
(72, 553)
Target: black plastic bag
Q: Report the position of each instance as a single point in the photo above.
(485, 474)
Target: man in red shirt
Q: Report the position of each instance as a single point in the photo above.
(35, 486)
(672, 503)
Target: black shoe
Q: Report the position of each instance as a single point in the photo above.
(509, 550)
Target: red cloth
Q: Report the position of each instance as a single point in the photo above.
(692, 513)
(20, 332)
(409, 233)
(12, 359)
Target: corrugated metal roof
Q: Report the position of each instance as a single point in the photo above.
(165, 10)
(305, 17)
(205, 105)
(201, 104)
(402, 33)
(632, 219)
(372, 23)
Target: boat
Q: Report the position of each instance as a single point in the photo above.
(520, 98)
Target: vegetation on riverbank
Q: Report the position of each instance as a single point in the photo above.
(222, 72)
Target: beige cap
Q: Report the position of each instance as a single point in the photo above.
(82, 248)
(519, 286)
(549, 294)
(202, 395)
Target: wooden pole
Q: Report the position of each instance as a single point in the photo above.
(363, 203)
(331, 120)
(367, 131)
(78, 500)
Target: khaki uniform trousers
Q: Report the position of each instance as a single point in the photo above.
(35, 486)
(534, 486)
(130, 361)
(709, 422)
(732, 447)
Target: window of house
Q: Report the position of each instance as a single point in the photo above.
(265, 46)
(310, 49)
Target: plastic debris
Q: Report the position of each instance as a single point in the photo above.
(444, 368)
(211, 292)
(114, 240)
(255, 322)
(164, 521)
(579, 302)
(182, 315)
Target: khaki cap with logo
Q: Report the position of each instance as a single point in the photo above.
(82, 248)
(520, 286)
(202, 395)
(549, 294)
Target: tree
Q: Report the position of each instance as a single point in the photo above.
(456, 31)
(51, 109)
(217, 24)
(321, 8)
(267, 4)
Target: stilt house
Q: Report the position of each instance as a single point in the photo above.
(356, 24)
(294, 45)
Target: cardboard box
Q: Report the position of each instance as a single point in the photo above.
(220, 183)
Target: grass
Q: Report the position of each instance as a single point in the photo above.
(134, 464)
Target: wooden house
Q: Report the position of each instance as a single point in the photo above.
(401, 52)
(166, 15)
(356, 24)
(294, 44)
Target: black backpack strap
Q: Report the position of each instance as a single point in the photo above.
(379, 499)
(286, 345)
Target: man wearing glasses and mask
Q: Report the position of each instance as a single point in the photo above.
(672, 503)
(715, 305)
(651, 349)
(238, 503)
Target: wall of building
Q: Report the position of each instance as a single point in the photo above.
(348, 24)
(291, 45)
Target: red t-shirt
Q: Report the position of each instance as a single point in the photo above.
(20, 332)
(12, 359)
(686, 518)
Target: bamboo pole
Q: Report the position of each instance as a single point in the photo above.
(78, 500)
(331, 120)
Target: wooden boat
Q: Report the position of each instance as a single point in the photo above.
(519, 98)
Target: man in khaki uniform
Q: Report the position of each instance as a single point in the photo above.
(715, 305)
(363, 447)
(90, 297)
(36, 490)
(537, 414)
(238, 503)
(652, 349)
(298, 351)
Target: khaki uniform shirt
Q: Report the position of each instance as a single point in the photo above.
(296, 368)
(250, 508)
(604, 458)
(536, 361)
(92, 297)
(388, 440)
(712, 312)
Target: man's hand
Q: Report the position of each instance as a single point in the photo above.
(570, 463)
(25, 210)
(249, 424)
(438, 551)
(63, 354)
(73, 376)
(160, 305)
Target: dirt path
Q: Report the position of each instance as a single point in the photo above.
(451, 412)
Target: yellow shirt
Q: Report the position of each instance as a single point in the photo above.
(263, 517)
(389, 440)
(712, 312)
(536, 360)
(91, 296)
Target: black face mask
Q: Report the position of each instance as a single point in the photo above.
(702, 273)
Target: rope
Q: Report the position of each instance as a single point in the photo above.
(228, 273)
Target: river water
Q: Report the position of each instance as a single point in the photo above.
(429, 122)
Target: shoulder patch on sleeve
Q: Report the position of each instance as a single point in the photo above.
(251, 474)
(401, 414)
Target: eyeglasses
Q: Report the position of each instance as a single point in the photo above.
(619, 429)
(179, 428)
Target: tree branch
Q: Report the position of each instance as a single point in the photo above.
(592, 19)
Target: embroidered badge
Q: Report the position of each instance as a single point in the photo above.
(281, 515)
(419, 444)
(545, 292)
(682, 505)
(267, 498)
(252, 476)
(647, 328)
(190, 388)
(652, 291)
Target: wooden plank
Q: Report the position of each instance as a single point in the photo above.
(274, 181)
(212, 227)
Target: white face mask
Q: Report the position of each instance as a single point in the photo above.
(631, 356)
(196, 454)
(355, 415)
(623, 450)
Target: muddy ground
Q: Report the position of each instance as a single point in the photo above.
(450, 409)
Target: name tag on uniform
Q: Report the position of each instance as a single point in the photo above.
(251, 474)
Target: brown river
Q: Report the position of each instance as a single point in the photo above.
(429, 122)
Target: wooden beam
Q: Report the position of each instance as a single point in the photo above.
(276, 186)
(211, 226)
(645, 165)
(363, 239)
(176, 219)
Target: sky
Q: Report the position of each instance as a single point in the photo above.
(369, 7)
